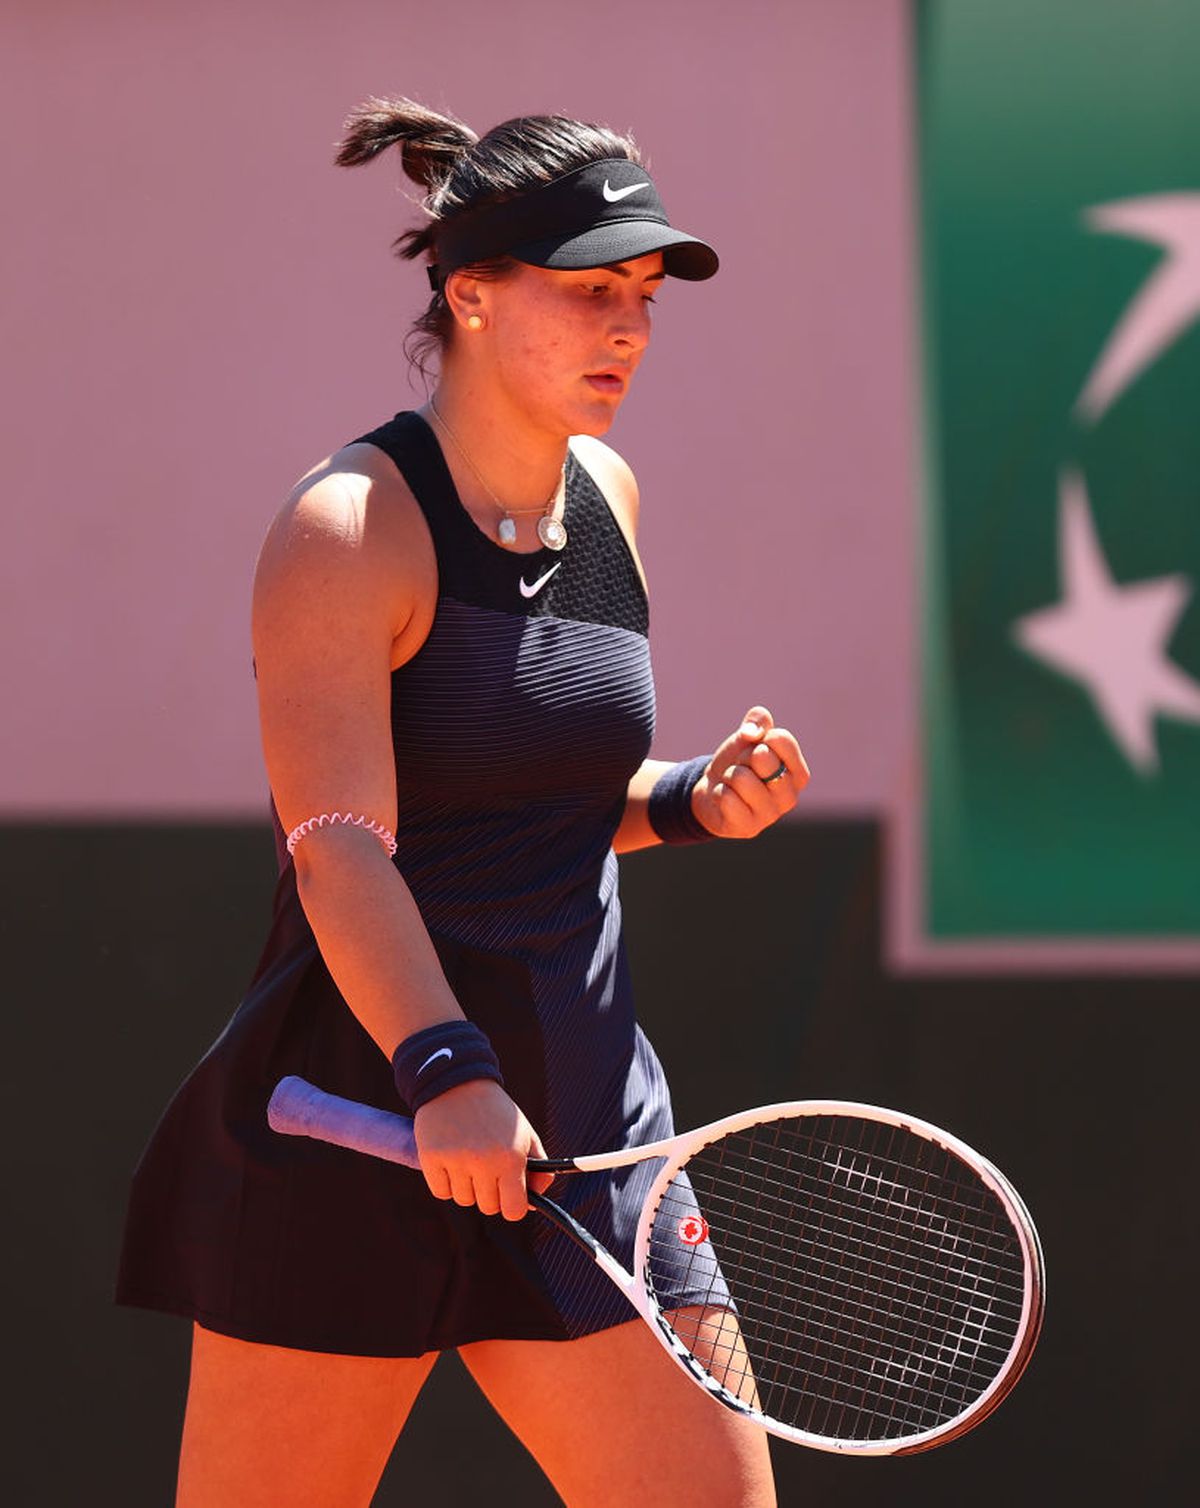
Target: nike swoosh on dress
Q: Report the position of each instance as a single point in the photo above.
(531, 590)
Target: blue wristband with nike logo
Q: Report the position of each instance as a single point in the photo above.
(441, 1057)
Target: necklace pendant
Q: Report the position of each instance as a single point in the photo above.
(507, 532)
(551, 532)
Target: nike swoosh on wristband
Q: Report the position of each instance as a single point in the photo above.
(442, 1052)
(612, 194)
(532, 591)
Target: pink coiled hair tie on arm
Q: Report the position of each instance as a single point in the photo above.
(326, 819)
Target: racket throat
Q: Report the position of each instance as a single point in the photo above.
(585, 1240)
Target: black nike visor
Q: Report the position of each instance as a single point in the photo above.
(604, 212)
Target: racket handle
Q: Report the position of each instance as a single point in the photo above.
(298, 1108)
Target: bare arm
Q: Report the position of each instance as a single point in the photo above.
(325, 618)
(344, 592)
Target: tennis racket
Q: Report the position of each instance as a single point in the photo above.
(848, 1277)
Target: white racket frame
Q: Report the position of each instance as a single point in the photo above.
(678, 1149)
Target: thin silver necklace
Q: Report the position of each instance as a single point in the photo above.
(550, 530)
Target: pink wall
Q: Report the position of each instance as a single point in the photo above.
(198, 306)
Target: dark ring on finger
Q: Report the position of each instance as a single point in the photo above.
(774, 775)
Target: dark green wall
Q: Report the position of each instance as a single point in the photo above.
(759, 978)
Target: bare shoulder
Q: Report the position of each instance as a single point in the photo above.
(353, 507)
(612, 475)
(350, 538)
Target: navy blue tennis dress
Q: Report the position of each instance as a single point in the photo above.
(516, 727)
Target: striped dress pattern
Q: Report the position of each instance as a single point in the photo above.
(516, 728)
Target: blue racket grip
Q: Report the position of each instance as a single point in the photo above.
(298, 1108)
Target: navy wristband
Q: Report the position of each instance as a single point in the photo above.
(669, 809)
(441, 1057)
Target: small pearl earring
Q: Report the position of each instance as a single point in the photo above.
(475, 322)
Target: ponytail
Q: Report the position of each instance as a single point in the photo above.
(430, 144)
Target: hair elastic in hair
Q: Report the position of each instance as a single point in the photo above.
(441, 1057)
(669, 809)
(327, 819)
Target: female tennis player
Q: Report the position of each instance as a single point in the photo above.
(449, 630)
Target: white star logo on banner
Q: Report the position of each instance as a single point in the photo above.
(1165, 305)
(1112, 637)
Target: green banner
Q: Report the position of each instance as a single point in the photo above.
(1060, 213)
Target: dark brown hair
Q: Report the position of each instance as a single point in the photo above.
(462, 171)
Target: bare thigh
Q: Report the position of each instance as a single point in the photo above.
(267, 1426)
(612, 1420)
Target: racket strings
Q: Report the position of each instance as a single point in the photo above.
(855, 1280)
(872, 1339)
(827, 1335)
(849, 1229)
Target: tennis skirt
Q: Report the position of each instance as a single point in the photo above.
(291, 1242)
